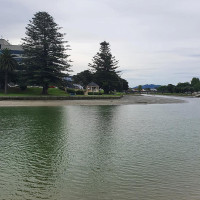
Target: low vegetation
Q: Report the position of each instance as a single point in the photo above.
(181, 88)
(37, 91)
(33, 91)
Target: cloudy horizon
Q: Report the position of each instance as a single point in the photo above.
(156, 42)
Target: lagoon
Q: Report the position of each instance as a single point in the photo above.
(148, 152)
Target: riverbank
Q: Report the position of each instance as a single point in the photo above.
(126, 100)
(73, 97)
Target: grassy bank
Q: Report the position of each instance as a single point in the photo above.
(34, 93)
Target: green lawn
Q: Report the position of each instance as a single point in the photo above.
(33, 92)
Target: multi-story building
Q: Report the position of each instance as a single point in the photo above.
(15, 49)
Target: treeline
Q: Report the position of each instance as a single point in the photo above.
(46, 63)
(186, 87)
(103, 71)
(114, 83)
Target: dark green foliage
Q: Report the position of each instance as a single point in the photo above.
(79, 92)
(195, 83)
(105, 66)
(183, 84)
(139, 88)
(94, 93)
(103, 60)
(44, 52)
(181, 87)
(167, 89)
(69, 90)
(20, 77)
(61, 88)
(170, 88)
(124, 84)
(84, 78)
(7, 65)
(1, 80)
(197, 87)
(23, 87)
(162, 89)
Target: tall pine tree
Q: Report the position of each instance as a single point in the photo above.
(45, 55)
(104, 66)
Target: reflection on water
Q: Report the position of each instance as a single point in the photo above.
(31, 150)
(145, 152)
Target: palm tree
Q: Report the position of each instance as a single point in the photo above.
(7, 64)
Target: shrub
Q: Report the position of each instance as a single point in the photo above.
(69, 90)
(80, 92)
(23, 87)
(61, 88)
(97, 93)
(94, 93)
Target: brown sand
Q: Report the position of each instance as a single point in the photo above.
(126, 100)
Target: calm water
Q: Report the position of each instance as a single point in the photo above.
(147, 152)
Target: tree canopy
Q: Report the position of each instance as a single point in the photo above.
(185, 87)
(45, 55)
(105, 68)
(7, 64)
(83, 78)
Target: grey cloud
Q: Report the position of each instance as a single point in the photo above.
(194, 55)
(152, 39)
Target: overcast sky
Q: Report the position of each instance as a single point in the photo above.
(155, 41)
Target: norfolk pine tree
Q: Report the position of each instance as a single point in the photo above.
(105, 65)
(45, 55)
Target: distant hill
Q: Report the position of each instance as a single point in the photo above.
(151, 86)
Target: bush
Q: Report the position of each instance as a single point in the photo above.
(69, 90)
(97, 93)
(80, 92)
(23, 87)
(94, 93)
(61, 88)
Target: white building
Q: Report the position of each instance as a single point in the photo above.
(15, 49)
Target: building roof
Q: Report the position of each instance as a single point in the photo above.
(6, 45)
(93, 84)
(78, 86)
(4, 42)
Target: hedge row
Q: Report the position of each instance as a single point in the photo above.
(57, 97)
(94, 93)
(72, 91)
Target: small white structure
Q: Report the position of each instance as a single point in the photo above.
(153, 90)
(92, 87)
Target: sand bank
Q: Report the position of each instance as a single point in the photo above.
(126, 100)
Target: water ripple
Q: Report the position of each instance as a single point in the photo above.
(100, 152)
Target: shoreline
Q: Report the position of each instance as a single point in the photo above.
(35, 98)
(125, 100)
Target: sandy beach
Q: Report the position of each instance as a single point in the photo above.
(126, 100)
